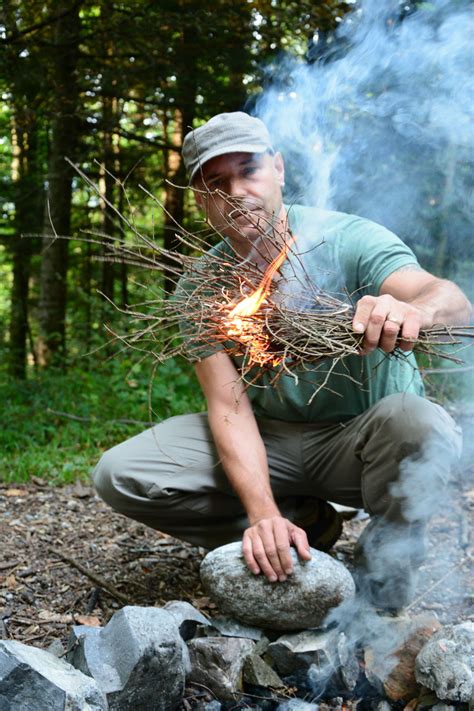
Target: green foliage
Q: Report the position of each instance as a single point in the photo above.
(34, 441)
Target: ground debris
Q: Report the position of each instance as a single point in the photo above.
(41, 595)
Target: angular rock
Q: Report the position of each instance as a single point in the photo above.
(137, 659)
(217, 662)
(390, 660)
(258, 673)
(231, 628)
(323, 657)
(187, 617)
(32, 678)
(302, 601)
(445, 664)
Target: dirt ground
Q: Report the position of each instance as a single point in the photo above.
(66, 558)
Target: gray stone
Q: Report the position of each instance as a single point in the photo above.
(208, 706)
(302, 601)
(231, 628)
(187, 617)
(137, 659)
(446, 663)
(383, 706)
(258, 673)
(217, 663)
(442, 707)
(323, 656)
(56, 648)
(297, 705)
(32, 678)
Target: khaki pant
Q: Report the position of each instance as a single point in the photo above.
(393, 461)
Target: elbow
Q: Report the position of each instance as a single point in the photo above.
(466, 313)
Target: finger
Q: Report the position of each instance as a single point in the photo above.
(390, 330)
(262, 556)
(277, 549)
(300, 541)
(283, 546)
(373, 331)
(410, 331)
(362, 313)
(247, 551)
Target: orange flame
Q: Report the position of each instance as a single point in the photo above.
(239, 323)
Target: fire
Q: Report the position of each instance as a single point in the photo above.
(240, 324)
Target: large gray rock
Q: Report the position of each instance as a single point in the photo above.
(33, 679)
(217, 663)
(303, 600)
(446, 663)
(137, 659)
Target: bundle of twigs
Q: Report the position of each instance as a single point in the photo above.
(306, 329)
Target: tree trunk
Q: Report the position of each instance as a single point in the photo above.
(28, 198)
(64, 136)
(175, 170)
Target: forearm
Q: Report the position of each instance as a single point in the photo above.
(442, 302)
(244, 459)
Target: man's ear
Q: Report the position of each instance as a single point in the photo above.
(279, 166)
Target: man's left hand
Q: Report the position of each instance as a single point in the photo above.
(384, 320)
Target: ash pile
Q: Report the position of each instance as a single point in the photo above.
(174, 658)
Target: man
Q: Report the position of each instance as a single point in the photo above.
(263, 462)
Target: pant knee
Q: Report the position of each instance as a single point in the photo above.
(104, 477)
(415, 422)
(408, 451)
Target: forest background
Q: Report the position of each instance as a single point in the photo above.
(114, 87)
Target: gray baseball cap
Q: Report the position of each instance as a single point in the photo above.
(234, 132)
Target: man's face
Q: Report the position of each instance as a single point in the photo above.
(241, 195)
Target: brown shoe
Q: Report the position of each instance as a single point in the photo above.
(323, 524)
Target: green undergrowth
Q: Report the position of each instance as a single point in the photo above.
(56, 424)
(41, 437)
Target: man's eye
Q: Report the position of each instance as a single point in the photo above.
(250, 170)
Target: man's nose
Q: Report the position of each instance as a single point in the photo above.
(237, 187)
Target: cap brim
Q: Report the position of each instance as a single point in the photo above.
(237, 148)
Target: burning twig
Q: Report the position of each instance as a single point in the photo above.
(226, 302)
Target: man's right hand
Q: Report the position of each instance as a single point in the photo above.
(266, 547)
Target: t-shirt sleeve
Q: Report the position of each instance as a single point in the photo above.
(371, 253)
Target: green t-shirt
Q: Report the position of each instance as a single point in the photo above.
(343, 255)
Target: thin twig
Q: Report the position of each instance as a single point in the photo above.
(97, 579)
(78, 418)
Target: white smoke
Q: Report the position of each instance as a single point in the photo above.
(385, 131)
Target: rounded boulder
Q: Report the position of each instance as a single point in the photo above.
(303, 600)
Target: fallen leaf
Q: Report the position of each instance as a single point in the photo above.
(90, 620)
(10, 582)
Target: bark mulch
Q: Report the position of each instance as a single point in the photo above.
(66, 558)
